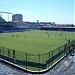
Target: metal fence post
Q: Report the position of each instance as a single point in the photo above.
(39, 61)
(14, 56)
(3, 50)
(9, 53)
(49, 59)
(13, 53)
(49, 55)
(52, 57)
(59, 53)
(64, 49)
(26, 60)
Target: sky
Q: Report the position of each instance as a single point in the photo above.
(58, 11)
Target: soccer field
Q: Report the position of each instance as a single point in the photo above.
(35, 42)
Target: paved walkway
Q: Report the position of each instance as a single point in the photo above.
(65, 67)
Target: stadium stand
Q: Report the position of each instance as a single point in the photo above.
(22, 26)
(1, 19)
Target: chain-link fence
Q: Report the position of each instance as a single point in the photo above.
(36, 62)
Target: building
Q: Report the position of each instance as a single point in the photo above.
(17, 17)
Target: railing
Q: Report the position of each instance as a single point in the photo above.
(36, 62)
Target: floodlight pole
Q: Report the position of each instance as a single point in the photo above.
(1, 14)
(6, 13)
(8, 16)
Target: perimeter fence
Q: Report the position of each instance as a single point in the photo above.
(37, 62)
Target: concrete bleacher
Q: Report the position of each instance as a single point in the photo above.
(12, 27)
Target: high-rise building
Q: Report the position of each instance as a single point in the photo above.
(17, 17)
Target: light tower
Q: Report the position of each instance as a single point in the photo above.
(6, 13)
